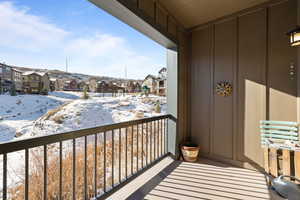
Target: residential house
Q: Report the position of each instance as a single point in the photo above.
(36, 82)
(114, 87)
(5, 78)
(162, 82)
(17, 79)
(93, 85)
(53, 84)
(59, 84)
(71, 85)
(151, 82)
(82, 85)
(132, 86)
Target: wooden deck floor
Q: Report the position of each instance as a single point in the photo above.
(206, 180)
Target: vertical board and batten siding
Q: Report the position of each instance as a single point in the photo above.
(283, 104)
(251, 87)
(250, 50)
(201, 100)
(224, 64)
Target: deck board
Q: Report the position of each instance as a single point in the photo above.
(207, 180)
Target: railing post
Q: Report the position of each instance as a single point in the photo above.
(74, 171)
(104, 162)
(126, 149)
(26, 173)
(4, 193)
(120, 155)
(95, 165)
(113, 158)
(60, 170)
(45, 172)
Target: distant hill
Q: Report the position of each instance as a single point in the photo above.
(58, 74)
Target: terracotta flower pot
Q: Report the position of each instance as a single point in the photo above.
(190, 152)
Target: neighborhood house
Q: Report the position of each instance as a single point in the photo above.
(36, 82)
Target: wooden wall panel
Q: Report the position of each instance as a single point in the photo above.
(183, 92)
(250, 50)
(172, 26)
(200, 87)
(148, 7)
(224, 63)
(251, 84)
(283, 90)
(161, 16)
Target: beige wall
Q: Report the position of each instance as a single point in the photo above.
(250, 51)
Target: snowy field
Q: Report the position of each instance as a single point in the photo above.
(25, 116)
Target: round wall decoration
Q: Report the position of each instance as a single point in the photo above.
(224, 88)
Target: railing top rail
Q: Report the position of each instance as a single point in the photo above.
(18, 145)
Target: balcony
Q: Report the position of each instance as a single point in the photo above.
(84, 164)
(125, 160)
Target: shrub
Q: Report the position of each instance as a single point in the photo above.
(85, 94)
(13, 90)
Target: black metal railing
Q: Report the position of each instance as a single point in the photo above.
(84, 164)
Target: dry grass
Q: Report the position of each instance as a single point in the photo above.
(53, 112)
(37, 168)
(59, 119)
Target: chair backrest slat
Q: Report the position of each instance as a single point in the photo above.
(278, 132)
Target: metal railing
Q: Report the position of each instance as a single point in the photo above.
(88, 163)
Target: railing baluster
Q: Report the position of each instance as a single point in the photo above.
(26, 173)
(4, 194)
(137, 148)
(120, 155)
(142, 152)
(45, 172)
(126, 168)
(131, 150)
(161, 137)
(154, 139)
(147, 142)
(74, 170)
(104, 162)
(60, 170)
(158, 138)
(95, 165)
(85, 167)
(151, 147)
(167, 135)
(112, 158)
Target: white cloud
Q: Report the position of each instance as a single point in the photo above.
(95, 45)
(21, 30)
(43, 43)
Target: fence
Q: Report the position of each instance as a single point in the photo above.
(89, 163)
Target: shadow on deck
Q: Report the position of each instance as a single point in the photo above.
(206, 180)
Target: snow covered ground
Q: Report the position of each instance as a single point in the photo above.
(25, 116)
(19, 112)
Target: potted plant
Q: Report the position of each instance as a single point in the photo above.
(190, 151)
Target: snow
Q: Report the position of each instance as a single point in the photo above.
(19, 112)
(28, 116)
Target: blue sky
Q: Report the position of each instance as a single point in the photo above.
(42, 33)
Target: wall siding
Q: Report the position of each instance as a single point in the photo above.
(252, 52)
(224, 63)
(200, 103)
